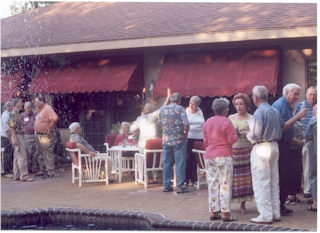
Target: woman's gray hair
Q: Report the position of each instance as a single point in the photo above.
(175, 97)
(288, 88)
(73, 126)
(220, 105)
(195, 99)
(124, 123)
(261, 92)
(28, 104)
(7, 104)
(148, 108)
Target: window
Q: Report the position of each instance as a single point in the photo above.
(311, 73)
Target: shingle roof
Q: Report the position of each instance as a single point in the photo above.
(77, 22)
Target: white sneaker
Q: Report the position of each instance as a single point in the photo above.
(261, 220)
(276, 218)
(8, 175)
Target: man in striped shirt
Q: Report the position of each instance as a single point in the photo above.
(309, 103)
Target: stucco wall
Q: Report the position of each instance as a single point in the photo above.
(152, 66)
(294, 70)
(294, 65)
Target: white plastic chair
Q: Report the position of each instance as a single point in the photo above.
(149, 161)
(200, 163)
(87, 167)
(113, 156)
(2, 160)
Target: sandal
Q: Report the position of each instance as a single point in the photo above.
(215, 217)
(293, 201)
(312, 208)
(230, 219)
(296, 199)
(289, 202)
(243, 211)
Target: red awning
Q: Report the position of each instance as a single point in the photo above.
(92, 77)
(9, 83)
(218, 75)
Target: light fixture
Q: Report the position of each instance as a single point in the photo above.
(307, 52)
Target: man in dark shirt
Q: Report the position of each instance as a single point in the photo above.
(20, 167)
(28, 118)
(284, 105)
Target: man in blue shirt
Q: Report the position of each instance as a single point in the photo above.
(284, 105)
(265, 131)
(309, 103)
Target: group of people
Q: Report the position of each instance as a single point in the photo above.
(260, 156)
(28, 139)
(246, 156)
(264, 146)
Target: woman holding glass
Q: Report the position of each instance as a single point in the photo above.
(242, 190)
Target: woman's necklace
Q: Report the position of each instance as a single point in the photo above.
(241, 117)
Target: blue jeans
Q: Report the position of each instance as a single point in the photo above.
(174, 154)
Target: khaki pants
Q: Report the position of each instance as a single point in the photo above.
(306, 168)
(20, 167)
(46, 154)
(32, 152)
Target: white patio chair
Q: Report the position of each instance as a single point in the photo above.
(199, 151)
(85, 168)
(149, 161)
(2, 160)
(109, 141)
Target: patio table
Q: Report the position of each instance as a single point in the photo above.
(120, 163)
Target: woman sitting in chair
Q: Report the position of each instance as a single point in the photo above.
(125, 139)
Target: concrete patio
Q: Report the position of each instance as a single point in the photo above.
(126, 196)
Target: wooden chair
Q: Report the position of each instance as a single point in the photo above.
(199, 150)
(149, 161)
(88, 167)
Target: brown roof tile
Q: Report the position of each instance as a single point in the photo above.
(76, 22)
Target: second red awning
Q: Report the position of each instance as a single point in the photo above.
(213, 74)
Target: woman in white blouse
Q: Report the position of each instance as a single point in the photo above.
(196, 120)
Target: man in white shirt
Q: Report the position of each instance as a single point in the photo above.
(6, 141)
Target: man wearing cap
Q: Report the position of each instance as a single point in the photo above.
(84, 146)
(44, 125)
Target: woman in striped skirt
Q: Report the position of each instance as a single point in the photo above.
(242, 190)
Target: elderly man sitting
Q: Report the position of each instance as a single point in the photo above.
(84, 146)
